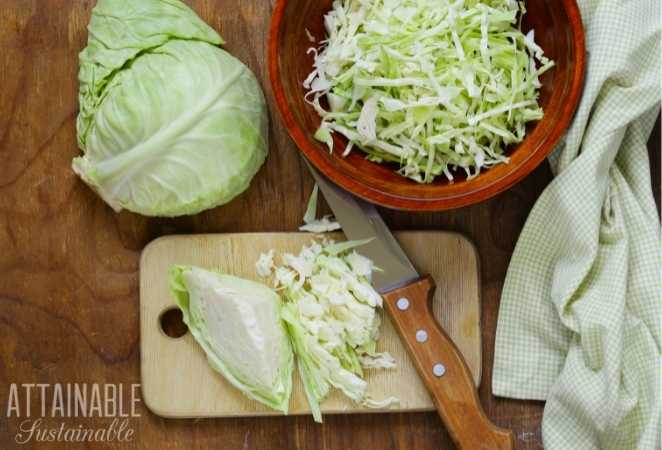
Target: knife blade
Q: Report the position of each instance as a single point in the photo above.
(408, 299)
(361, 220)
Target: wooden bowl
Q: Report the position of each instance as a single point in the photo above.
(558, 30)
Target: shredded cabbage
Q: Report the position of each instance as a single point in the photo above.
(330, 311)
(313, 225)
(323, 225)
(433, 86)
(265, 264)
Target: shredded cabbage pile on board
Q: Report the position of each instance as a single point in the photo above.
(331, 315)
(432, 85)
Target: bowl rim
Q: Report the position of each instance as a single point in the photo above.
(389, 200)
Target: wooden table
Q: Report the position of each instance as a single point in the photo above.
(69, 265)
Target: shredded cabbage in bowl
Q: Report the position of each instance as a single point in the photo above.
(434, 86)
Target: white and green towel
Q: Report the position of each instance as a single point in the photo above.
(580, 323)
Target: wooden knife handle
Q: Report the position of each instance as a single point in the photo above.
(443, 369)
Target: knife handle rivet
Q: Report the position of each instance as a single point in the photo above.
(421, 336)
(403, 304)
(438, 370)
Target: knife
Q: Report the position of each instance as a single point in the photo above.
(408, 300)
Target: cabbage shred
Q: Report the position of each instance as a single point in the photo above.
(311, 223)
(434, 86)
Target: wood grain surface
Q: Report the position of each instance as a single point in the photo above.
(69, 265)
(167, 363)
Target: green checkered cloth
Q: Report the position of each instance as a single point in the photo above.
(581, 309)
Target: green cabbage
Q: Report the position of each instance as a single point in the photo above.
(237, 323)
(432, 86)
(169, 123)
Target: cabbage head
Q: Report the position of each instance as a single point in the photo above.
(169, 123)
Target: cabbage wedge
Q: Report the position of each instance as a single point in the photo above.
(237, 323)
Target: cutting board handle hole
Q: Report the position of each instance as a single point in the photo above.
(172, 323)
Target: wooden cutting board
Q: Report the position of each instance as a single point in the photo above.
(177, 381)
